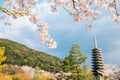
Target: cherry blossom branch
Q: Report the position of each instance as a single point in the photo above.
(23, 8)
(81, 10)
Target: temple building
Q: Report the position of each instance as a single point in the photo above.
(97, 62)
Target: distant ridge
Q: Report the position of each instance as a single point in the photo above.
(19, 54)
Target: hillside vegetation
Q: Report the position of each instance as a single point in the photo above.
(18, 54)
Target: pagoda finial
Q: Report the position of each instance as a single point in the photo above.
(95, 42)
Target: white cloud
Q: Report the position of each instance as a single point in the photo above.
(20, 29)
(43, 9)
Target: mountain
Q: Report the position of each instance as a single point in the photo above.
(19, 54)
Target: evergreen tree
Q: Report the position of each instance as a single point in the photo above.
(74, 60)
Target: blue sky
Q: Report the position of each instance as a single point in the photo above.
(66, 32)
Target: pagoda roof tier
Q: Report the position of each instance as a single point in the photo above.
(95, 54)
(97, 49)
(97, 59)
(97, 62)
(97, 65)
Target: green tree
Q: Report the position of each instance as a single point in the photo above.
(74, 60)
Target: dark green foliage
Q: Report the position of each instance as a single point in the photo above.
(84, 74)
(18, 54)
(75, 59)
(74, 64)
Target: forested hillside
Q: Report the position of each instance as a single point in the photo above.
(18, 54)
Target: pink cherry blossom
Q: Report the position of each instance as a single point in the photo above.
(112, 71)
(53, 8)
(33, 18)
(79, 10)
(32, 1)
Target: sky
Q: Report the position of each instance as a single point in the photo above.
(66, 32)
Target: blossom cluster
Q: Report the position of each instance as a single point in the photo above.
(45, 37)
(28, 70)
(81, 10)
(112, 72)
(89, 10)
(18, 8)
(43, 29)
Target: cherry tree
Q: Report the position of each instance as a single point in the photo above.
(81, 11)
(89, 10)
(19, 8)
(111, 72)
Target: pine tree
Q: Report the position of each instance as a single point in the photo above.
(76, 56)
(74, 60)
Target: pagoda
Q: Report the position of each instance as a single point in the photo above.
(97, 61)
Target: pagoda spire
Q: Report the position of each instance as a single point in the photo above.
(95, 42)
